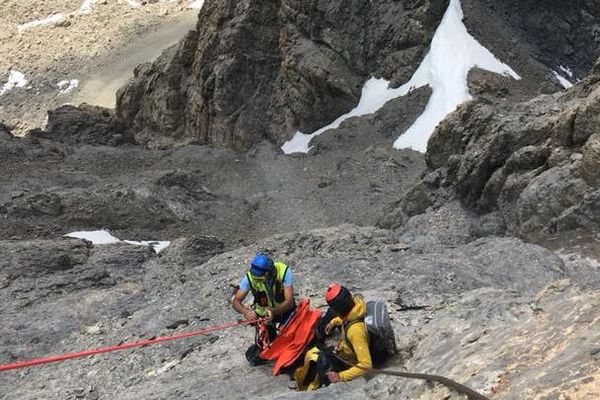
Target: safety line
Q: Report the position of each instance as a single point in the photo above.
(458, 387)
(123, 346)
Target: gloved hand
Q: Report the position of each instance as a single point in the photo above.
(328, 329)
(250, 315)
(333, 377)
(269, 315)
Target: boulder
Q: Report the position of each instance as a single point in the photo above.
(83, 125)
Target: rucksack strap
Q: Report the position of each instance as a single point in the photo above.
(347, 324)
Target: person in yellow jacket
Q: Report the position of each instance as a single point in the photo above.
(353, 348)
(351, 358)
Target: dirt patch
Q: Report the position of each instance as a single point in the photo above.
(102, 84)
(98, 43)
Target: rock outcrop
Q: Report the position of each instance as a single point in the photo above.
(590, 167)
(254, 70)
(5, 133)
(556, 33)
(531, 167)
(83, 125)
(9, 147)
(262, 70)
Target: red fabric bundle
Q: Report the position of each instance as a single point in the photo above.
(293, 338)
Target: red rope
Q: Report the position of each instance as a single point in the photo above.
(123, 346)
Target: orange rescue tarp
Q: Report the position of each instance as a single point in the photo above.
(293, 338)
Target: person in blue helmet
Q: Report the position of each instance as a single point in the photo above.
(271, 284)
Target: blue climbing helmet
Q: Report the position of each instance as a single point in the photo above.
(261, 264)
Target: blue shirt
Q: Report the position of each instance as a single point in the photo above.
(287, 281)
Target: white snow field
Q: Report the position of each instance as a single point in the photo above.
(453, 53)
(565, 83)
(67, 86)
(15, 79)
(102, 236)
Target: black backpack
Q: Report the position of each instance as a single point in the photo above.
(382, 342)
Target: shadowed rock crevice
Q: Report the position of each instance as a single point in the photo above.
(556, 33)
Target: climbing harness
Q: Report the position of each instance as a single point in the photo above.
(262, 337)
(124, 346)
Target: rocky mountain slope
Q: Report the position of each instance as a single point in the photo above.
(300, 63)
(303, 64)
(530, 168)
(495, 318)
(486, 249)
(50, 188)
(557, 33)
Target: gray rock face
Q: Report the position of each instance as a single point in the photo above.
(8, 147)
(5, 133)
(482, 353)
(526, 161)
(40, 278)
(477, 295)
(253, 70)
(83, 125)
(14, 150)
(590, 166)
(509, 318)
(558, 33)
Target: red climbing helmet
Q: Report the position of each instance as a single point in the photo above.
(339, 299)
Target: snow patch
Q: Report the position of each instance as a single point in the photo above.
(102, 236)
(593, 262)
(133, 3)
(67, 86)
(566, 70)
(157, 245)
(87, 6)
(53, 19)
(453, 53)
(15, 79)
(375, 93)
(562, 80)
(96, 237)
(196, 4)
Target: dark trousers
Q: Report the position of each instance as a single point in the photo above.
(252, 353)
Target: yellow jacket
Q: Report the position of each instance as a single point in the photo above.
(354, 346)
